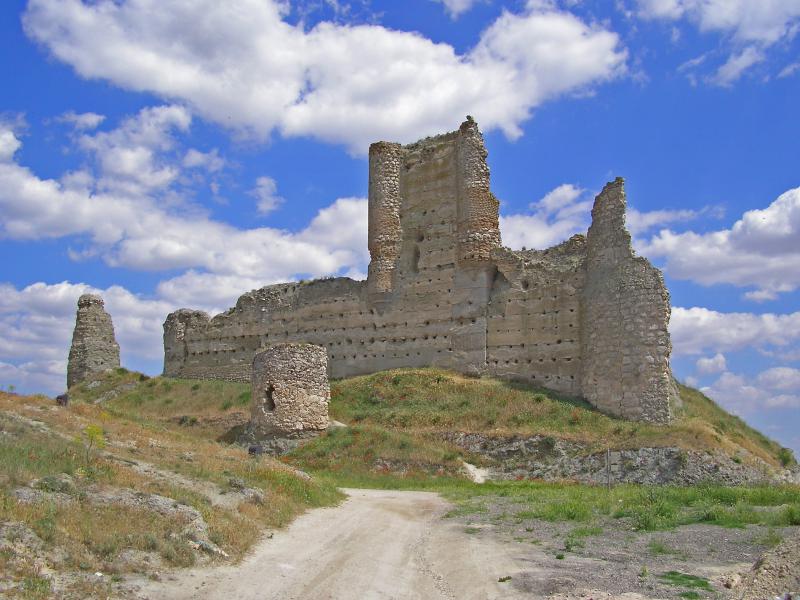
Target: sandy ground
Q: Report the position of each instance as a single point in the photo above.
(377, 544)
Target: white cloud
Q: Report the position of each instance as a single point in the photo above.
(713, 364)
(765, 21)
(566, 210)
(128, 155)
(36, 325)
(241, 64)
(266, 195)
(769, 390)
(736, 65)
(697, 330)
(210, 161)
(750, 27)
(132, 226)
(82, 121)
(559, 214)
(457, 7)
(9, 143)
(760, 250)
(780, 378)
(789, 70)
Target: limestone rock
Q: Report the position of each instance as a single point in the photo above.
(94, 348)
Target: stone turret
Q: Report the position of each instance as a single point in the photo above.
(290, 390)
(94, 348)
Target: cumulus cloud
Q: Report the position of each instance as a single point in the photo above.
(128, 224)
(761, 250)
(128, 156)
(243, 65)
(36, 328)
(562, 212)
(772, 389)
(82, 121)
(266, 195)
(697, 330)
(9, 143)
(713, 364)
(566, 210)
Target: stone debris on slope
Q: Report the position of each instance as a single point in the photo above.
(775, 575)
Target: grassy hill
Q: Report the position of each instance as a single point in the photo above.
(396, 418)
(117, 482)
(93, 488)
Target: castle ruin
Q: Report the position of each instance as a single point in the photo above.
(587, 317)
(290, 390)
(94, 348)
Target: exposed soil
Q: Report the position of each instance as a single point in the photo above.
(388, 544)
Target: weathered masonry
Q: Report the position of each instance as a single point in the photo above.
(586, 317)
(94, 348)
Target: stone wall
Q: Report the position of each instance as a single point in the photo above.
(94, 348)
(586, 317)
(290, 391)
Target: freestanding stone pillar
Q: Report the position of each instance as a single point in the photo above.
(290, 390)
(94, 348)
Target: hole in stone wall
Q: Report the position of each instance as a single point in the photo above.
(525, 284)
(269, 398)
(415, 260)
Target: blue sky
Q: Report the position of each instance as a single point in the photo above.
(168, 155)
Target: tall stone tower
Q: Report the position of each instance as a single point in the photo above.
(94, 348)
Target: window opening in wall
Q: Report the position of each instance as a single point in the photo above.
(415, 260)
(269, 398)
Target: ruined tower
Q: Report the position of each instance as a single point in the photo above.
(586, 317)
(290, 389)
(94, 348)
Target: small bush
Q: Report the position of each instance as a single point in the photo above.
(786, 456)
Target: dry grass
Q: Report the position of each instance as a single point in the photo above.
(92, 538)
(432, 400)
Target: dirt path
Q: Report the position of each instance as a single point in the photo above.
(377, 544)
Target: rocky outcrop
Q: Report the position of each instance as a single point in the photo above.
(94, 348)
(549, 458)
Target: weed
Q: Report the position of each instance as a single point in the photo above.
(504, 579)
(559, 556)
(679, 579)
(769, 539)
(471, 529)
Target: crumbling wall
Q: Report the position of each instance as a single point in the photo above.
(534, 316)
(586, 317)
(290, 390)
(624, 320)
(94, 348)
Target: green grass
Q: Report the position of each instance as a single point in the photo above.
(646, 508)
(659, 548)
(679, 579)
(425, 403)
(366, 454)
(433, 401)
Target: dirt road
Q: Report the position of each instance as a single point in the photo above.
(377, 544)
